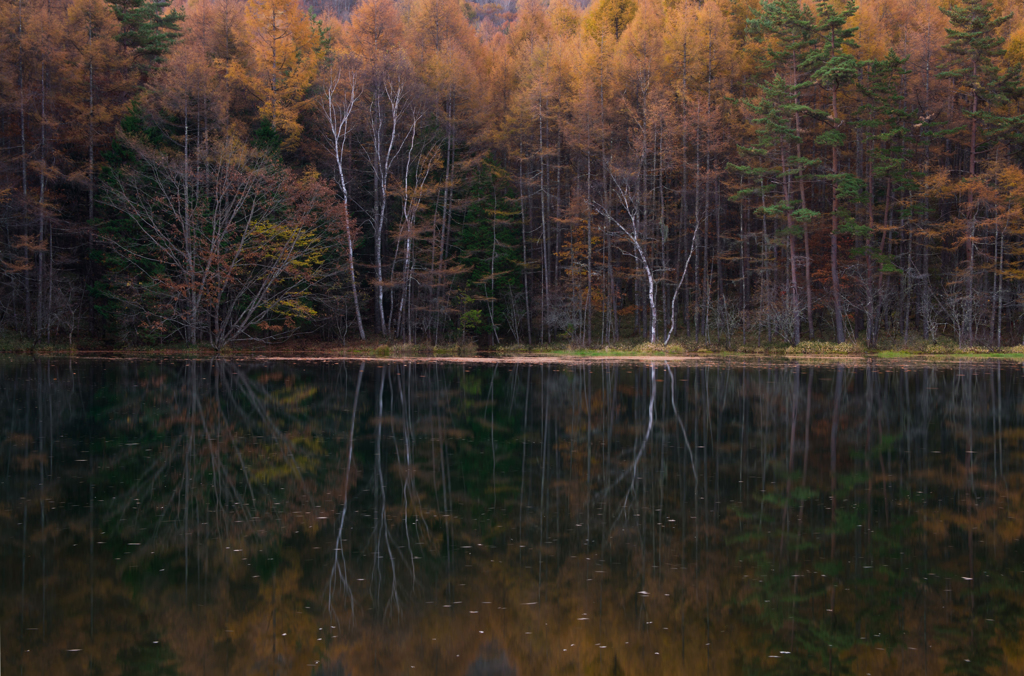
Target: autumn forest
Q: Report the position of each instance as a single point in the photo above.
(435, 171)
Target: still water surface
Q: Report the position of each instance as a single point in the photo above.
(220, 517)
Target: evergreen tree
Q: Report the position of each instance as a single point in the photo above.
(883, 122)
(835, 67)
(982, 85)
(978, 71)
(789, 30)
(148, 28)
(781, 166)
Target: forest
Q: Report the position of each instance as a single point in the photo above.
(436, 171)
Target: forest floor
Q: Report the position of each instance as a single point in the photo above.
(297, 348)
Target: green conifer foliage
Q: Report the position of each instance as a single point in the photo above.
(883, 120)
(775, 173)
(148, 27)
(977, 68)
(835, 67)
(982, 87)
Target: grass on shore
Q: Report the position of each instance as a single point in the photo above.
(887, 349)
(14, 344)
(890, 348)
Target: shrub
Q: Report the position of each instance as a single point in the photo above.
(825, 348)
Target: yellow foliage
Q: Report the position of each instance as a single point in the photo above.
(610, 18)
(1015, 47)
(282, 58)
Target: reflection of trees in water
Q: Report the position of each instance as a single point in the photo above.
(850, 517)
(196, 466)
(229, 444)
(817, 484)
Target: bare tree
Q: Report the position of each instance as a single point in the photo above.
(340, 92)
(388, 101)
(225, 244)
(627, 190)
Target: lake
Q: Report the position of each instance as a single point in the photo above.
(291, 517)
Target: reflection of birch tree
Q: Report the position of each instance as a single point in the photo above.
(714, 515)
(339, 571)
(400, 519)
(630, 473)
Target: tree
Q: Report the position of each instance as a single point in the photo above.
(339, 92)
(448, 61)
(280, 63)
(980, 79)
(884, 121)
(628, 190)
(773, 178)
(836, 67)
(792, 36)
(464, 142)
(98, 83)
(610, 17)
(223, 245)
(387, 109)
(1001, 192)
(148, 29)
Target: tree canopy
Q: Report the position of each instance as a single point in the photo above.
(749, 172)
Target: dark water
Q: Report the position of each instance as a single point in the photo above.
(422, 518)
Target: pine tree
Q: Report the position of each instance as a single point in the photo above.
(835, 67)
(977, 72)
(790, 32)
(148, 28)
(883, 121)
(780, 166)
(977, 69)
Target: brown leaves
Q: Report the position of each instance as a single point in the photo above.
(24, 249)
(30, 244)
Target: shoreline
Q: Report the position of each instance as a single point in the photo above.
(327, 352)
(914, 348)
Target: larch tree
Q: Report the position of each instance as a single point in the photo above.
(99, 82)
(448, 59)
(44, 28)
(610, 17)
(191, 96)
(278, 68)
(1001, 193)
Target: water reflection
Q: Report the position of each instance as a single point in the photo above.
(380, 518)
